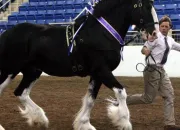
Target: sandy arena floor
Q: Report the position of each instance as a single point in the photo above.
(61, 100)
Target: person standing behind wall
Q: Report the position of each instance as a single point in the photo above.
(155, 76)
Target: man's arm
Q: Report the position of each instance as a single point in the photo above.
(176, 46)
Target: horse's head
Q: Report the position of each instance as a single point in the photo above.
(145, 18)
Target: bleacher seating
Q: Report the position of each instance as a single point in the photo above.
(170, 8)
(45, 11)
(55, 11)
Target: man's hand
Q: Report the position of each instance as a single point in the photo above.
(145, 51)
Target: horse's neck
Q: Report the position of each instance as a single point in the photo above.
(115, 12)
(119, 21)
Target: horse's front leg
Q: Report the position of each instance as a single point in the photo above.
(118, 111)
(82, 120)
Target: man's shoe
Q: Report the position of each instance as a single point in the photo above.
(171, 127)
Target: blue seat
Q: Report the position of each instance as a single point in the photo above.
(78, 1)
(58, 7)
(49, 16)
(12, 18)
(41, 7)
(85, 1)
(78, 6)
(176, 1)
(23, 8)
(40, 17)
(31, 21)
(2, 26)
(40, 21)
(68, 16)
(41, 12)
(60, 2)
(50, 7)
(21, 18)
(175, 23)
(78, 10)
(165, 1)
(23, 12)
(33, 0)
(30, 17)
(160, 16)
(61, 11)
(170, 8)
(176, 27)
(69, 10)
(31, 8)
(10, 25)
(68, 6)
(178, 8)
(51, 3)
(50, 21)
(59, 17)
(50, 11)
(33, 12)
(43, 3)
(33, 3)
(175, 17)
(160, 7)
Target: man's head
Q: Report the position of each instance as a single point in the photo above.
(165, 25)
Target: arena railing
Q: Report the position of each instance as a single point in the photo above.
(138, 41)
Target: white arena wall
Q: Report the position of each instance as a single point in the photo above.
(132, 56)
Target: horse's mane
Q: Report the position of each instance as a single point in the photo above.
(105, 6)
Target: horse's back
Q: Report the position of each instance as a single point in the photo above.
(20, 44)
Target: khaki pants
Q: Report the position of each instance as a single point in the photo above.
(156, 80)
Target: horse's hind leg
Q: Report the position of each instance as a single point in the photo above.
(33, 113)
(82, 119)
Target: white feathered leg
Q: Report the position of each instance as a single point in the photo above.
(81, 121)
(118, 111)
(1, 128)
(5, 83)
(33, 113)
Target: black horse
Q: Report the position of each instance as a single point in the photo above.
(32, 49)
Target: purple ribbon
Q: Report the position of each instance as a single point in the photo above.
(108, 27)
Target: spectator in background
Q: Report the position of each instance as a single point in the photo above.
(155, 77)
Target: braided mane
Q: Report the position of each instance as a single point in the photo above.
(105, 6)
